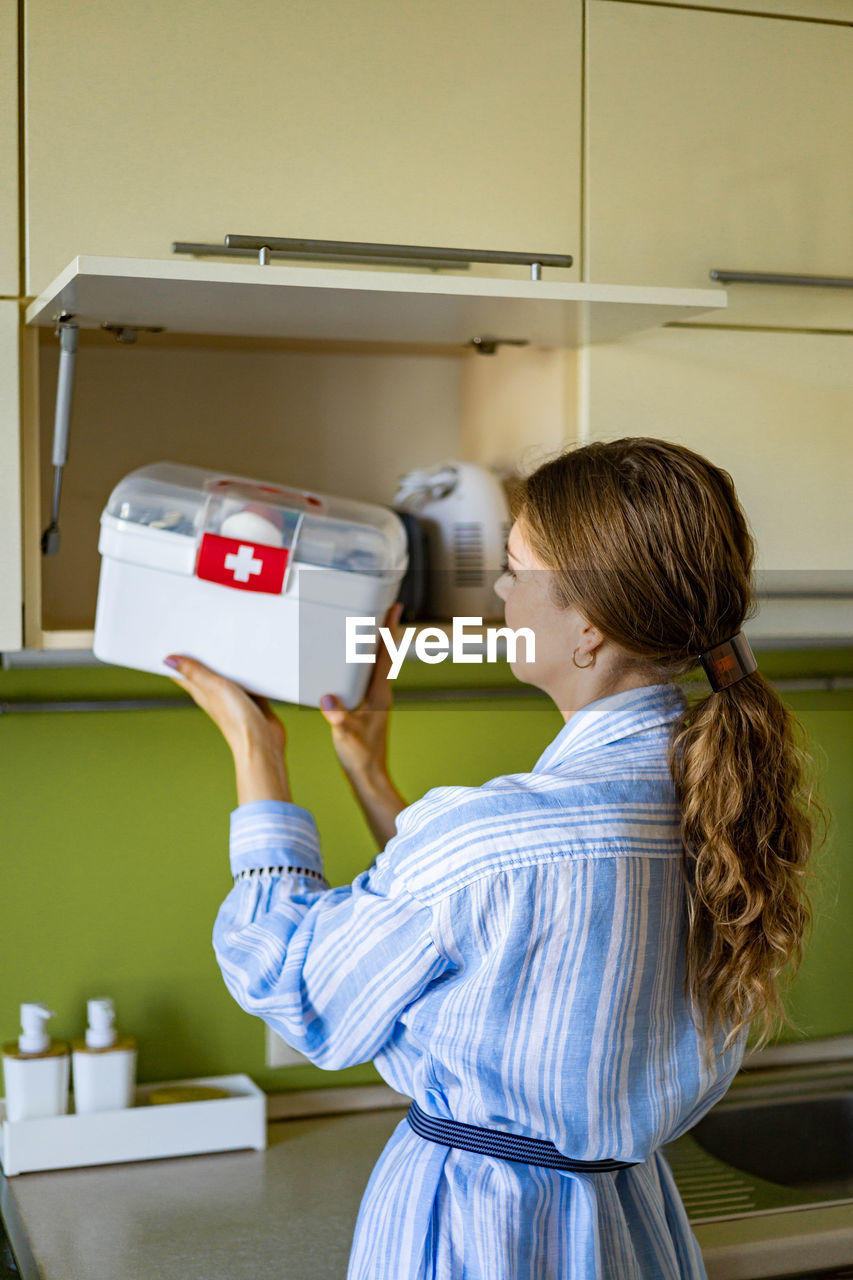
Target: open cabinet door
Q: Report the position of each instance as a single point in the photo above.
(10, 482)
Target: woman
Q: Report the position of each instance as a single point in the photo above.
(559, 966)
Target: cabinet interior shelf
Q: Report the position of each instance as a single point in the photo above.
(326, 304)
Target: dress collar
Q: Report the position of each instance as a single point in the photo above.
(621, 715)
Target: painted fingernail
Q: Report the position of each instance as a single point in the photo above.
(171, 662)
(327, 701)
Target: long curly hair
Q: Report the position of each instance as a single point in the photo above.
(647, 539)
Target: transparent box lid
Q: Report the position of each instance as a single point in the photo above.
(330, 532)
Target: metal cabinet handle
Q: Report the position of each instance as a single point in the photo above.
(265, 254)
(366, 251)
(770, 277)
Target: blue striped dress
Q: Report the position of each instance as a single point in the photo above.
(513, 959)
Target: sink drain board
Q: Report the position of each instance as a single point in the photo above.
(712, 1190)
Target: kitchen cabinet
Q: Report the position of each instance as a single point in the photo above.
(8, 148)
(720, 140)
(10, 481)
(772, 409)
(333, 380)
(381, 124)
(342, 380)
(442, 124)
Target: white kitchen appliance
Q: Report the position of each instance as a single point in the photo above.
(254, 579)
(465, 512)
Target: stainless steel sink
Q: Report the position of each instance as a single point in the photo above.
(803, 1142)
(779, 1140)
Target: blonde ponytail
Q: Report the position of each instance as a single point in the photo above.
(744, 782)
(647, 539)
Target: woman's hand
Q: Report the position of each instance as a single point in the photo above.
(360, 739)
(360, 736)
(249, 725)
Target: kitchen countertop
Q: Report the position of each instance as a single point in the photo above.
(288, 1213)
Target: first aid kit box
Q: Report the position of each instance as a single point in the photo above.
(256, 580)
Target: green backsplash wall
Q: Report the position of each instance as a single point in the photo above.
(115, 832)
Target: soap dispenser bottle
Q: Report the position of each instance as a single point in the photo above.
(104, 1064)
(35, 1069)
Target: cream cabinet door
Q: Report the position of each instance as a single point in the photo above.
(10, 482)
(721, 140)
(772, 409)
(8, 149)
(451, 123)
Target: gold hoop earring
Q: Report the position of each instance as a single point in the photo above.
(582, 666)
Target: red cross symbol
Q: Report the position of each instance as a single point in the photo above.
(241, 564)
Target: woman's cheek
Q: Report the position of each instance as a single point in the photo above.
(518, 609)
(516, 616)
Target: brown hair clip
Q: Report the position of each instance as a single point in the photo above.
(728, 662)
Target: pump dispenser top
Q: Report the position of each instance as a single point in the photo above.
(101, 1032)
(34, 1037)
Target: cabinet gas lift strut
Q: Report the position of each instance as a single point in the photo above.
(67, 330)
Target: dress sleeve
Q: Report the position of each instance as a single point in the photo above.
(330, 970)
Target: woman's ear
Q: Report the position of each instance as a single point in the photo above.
(589, 635)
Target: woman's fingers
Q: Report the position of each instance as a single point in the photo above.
(378, 693)
(188, 668)
(195, 677)
(377, 696)
(230, 707)
(199, 679)
(333, 710)
(392, 621)
(193, 670)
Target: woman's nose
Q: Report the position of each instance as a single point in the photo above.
(500, 586)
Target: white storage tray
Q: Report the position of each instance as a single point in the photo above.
(140, 1132)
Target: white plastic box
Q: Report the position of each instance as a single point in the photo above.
(139, 1132)
(254, 579)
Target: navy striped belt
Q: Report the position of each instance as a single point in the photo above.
(506, 1146)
